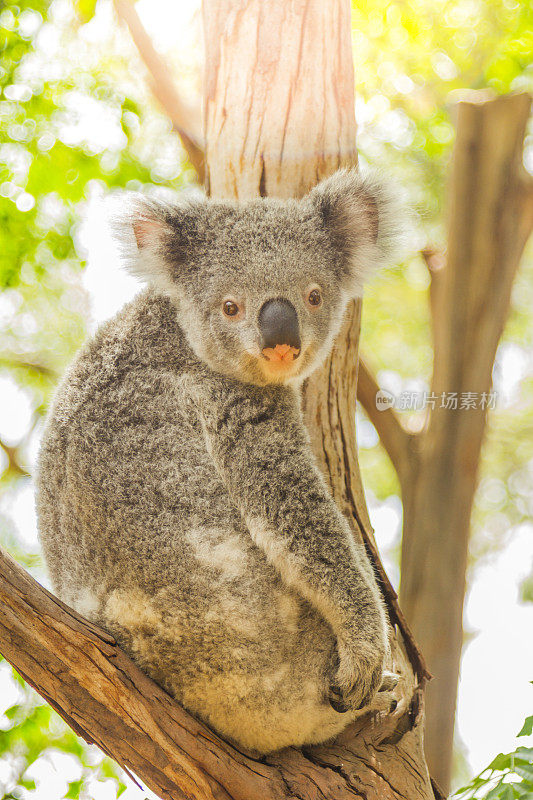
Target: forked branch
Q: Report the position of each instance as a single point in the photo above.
(186, 120)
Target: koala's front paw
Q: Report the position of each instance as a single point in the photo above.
(357, 678)
(386, 698)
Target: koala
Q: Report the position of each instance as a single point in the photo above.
(179, 503)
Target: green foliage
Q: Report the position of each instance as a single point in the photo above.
(44, 170)
(509, 776)
(85, 9)
(527, 727)
(53, 159)
(31, 732)
(410, 60)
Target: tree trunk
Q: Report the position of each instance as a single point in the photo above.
(279, 117)
(491, 213)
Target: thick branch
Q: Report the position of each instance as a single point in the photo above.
(185, 119)
(107, 700)
(396, 440)
(490, 221)
(491, 214)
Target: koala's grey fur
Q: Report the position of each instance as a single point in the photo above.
(179, 503)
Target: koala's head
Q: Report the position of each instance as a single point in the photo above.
(261, 286)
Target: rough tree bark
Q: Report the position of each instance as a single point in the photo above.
(279, 116)
(490, 219)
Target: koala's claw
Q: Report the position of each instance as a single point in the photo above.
(380, 701)
(337, 700)
(385, 700)
(389, 682)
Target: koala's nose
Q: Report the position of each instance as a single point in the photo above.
(278, 324)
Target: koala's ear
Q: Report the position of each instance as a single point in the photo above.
(156, 238)
(363, 218)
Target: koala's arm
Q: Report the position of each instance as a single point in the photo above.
(261, 451)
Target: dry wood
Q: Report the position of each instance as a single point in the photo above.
(279, 96)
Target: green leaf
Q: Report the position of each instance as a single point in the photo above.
(527, 727)
(74, 789)
(502, 761)
(85, 9)
(12, 712)
(525, 771)
(474, 784)
(495, 792)
(507, 793)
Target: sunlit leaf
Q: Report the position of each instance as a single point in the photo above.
(74, 789)
(527, 727)
(86, 9)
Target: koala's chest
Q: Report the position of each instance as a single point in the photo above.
(182, 471)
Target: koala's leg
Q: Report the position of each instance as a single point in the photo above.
(247, 656)
(261, 451)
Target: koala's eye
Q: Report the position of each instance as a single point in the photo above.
(230, 308)
(314, 298)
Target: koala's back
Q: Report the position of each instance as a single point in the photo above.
(141, 536)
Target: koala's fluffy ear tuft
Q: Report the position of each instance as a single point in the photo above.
(363, 218)
(154, 238)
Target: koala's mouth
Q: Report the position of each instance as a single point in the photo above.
(280, 368)
(281, 354)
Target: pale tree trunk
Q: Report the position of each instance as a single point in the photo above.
(279, 117)
(490, 219)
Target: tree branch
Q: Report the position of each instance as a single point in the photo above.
(397, 441)
(185, 120)
(106, 699)
(490, 218)
(435, 262)
(13, 362)
(13, 464)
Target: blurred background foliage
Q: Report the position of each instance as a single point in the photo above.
(76, 121)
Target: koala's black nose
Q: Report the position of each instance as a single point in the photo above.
(278, 324)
